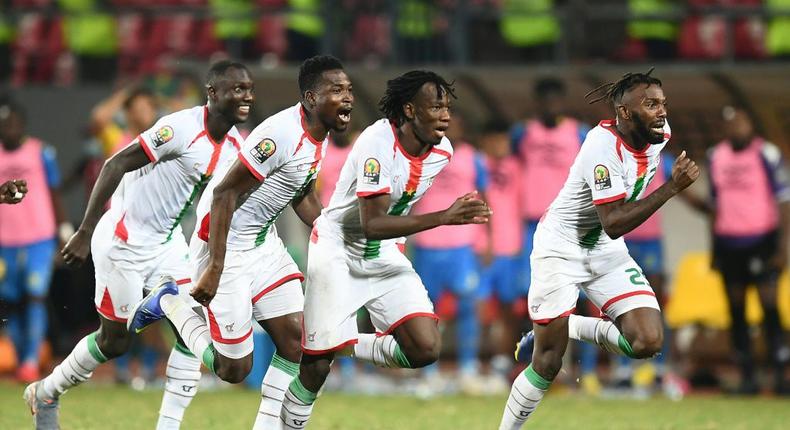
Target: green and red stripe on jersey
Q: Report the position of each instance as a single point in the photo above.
(373, 247)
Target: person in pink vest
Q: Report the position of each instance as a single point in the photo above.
(499, 274)
(13, 191)
(28, 236)
(444, 257)
(547, 146)
(750, 192)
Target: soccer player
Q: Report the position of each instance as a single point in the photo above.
(578, 244)
(139, 239)
(244, 270)
(28, 236)
(354, 259)
(13, 191)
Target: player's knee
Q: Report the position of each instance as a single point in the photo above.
(424, 352)
(547, 363)
(648, 343)
(233, 371)
(113, 345)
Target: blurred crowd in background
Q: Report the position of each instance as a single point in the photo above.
(65, 41)
(721, 337)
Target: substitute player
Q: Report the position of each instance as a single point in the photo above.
(354, 259)
(578, 244)
(244, 270)
(139, 239)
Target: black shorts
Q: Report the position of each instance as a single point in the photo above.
(747, 265)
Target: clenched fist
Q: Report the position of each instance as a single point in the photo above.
(684, 173)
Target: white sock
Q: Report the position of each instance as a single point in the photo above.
(279, 374)
(74, 370)
(297, 405)
(527, 391)
(599, 331)
(383, 351)
(191, 327)
(183, 375)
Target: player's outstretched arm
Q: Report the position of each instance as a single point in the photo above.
(377, 224)
(237, 182)
(307, 205)
(130, 158)
(620, 217)
(13, 191)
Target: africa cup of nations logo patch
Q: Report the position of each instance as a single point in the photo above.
(264, 150)
(602, 179)
(372, 171)
(162, 136)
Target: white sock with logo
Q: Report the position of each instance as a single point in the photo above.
(183, 376)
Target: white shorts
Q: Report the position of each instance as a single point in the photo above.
(256, 284)
(610, 278)
(338, 285)
(122, 270)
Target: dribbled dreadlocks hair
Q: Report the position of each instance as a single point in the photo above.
(310, 71)
(613, 91)
(402, 90)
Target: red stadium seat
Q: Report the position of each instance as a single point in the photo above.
(702, 38)
(131, 38)
(371, 36)
(206, 43)
(31, 31)
(749, 38)
(271, 35)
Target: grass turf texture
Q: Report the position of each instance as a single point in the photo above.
(102, 407)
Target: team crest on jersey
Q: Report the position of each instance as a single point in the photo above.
(372, 171)
(602, 179)
(162, 136)
(264, 150)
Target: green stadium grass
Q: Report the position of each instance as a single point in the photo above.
(97, 406)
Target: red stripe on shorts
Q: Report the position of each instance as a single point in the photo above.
(283, 280)
(545, 321)
(616, 299)
(406, 318)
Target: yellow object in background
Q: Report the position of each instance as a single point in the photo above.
(698, 296)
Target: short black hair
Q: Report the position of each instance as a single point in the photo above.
(613, 91)
(311, 69)
(135, 93)
(496, 125)
(9, 105)
(220, 67)
(402, 90)
(548, 85)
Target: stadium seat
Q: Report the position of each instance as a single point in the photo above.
(749, 38)
(702, 38)
(31, 32)
(371, 36)
(698, 296)
(131, 38)
(271, 35)
(206, 43)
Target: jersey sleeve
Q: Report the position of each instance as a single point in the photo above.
(51, 166)
(168, 137)
(777, 172)
(603, 171)
(373, 165)
(481, 173)
(264, 151)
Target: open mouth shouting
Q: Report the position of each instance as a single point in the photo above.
(344, 115)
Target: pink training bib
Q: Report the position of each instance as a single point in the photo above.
(33, 219)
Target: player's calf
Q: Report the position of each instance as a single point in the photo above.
(113, 339)
(644, 332)
(420, 341)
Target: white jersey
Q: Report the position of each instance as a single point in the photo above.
(605, 170)
(183, 158)
(285, 158)
(378, 164)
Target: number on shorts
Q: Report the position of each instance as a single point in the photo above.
(636, 276)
